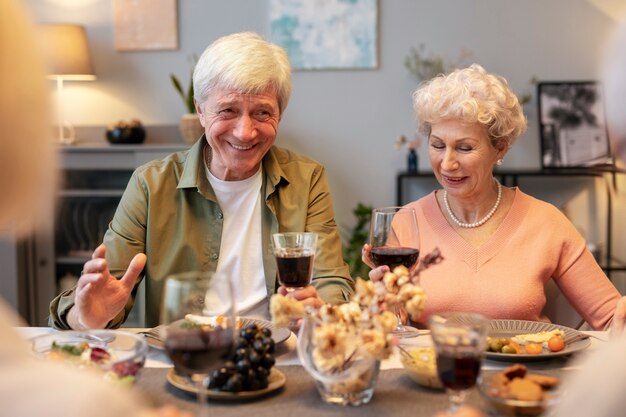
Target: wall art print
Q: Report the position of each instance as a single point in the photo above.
(326, 34)
(572, 124)
(145, 24)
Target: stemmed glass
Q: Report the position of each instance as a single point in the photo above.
(394, 241)
(198, 311)
(294, 252)
(460, 341)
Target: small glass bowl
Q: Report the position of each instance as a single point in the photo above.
(421, 366)
(126, 351)
(351, 385)
(512, 407)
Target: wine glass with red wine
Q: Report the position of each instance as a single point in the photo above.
(198, 311)
(394, 241)
(460, 341)
(294, 252)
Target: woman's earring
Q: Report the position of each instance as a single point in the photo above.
(499, 161)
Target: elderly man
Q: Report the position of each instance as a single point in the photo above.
(215, 206)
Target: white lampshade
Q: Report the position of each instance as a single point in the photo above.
(67, 52)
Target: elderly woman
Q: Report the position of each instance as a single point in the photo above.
(501, 246)
(215, 206)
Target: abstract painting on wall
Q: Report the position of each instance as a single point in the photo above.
(326, 34)
(145, 24)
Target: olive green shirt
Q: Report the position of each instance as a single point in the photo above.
(169, 212)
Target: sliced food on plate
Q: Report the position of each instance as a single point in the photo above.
(529, 343)
(532, 340)
(539, 337)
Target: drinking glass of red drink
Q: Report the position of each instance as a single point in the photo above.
(394, 241)
(198, 310)
(460, 341)
(294, 252)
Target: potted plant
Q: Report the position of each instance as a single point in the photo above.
(190, 127)
(357, 237)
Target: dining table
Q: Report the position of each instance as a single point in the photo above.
(396, 394)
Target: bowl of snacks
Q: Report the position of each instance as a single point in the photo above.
(516, 392)
(119, 355)
(421, 366)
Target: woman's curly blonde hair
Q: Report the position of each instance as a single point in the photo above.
(472, 95)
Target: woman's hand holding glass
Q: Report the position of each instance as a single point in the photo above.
(393, 242)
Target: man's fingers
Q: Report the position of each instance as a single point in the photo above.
(99, 252)
(312, 301)
(307, 295)
(304, 293)
(94, 266)
(88, 279)
(134, 269)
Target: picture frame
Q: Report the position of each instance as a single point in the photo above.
(144, 25)
(572, 124)
(326, 34)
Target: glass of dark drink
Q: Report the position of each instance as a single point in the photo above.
(394, 241)
(198, 310)
(460, 341)
(294, 252)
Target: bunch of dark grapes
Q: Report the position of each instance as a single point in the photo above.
(249, 366)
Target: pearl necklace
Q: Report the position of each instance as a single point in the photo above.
(481, 221)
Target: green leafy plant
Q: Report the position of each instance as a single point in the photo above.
(186, 93)
(358, 237)
(527, 96)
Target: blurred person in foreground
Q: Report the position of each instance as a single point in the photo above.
(29, 386)
(501, 246)
(215, 206)
(597, 388)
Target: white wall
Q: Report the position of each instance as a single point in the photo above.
(348, 120)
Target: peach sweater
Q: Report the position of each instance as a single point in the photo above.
(504, 278)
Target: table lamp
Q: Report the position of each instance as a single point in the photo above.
(67, 51)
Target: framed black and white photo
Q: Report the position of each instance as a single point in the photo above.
(572, 125)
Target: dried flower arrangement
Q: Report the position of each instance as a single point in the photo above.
(403, 142)
(368, 316)
(425, 66)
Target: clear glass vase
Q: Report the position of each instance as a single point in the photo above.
(345, 378)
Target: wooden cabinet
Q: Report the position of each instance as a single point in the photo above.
(93, 180)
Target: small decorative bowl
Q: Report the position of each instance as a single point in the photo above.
(118, 354)
(514, 407)
(126, 135)
(421, 366)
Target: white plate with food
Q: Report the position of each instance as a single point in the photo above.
(525, 333)
(154, 336)
(276, 380)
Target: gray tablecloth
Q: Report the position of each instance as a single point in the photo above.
(396, 395)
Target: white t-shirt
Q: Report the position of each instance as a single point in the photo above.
(241, 250)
